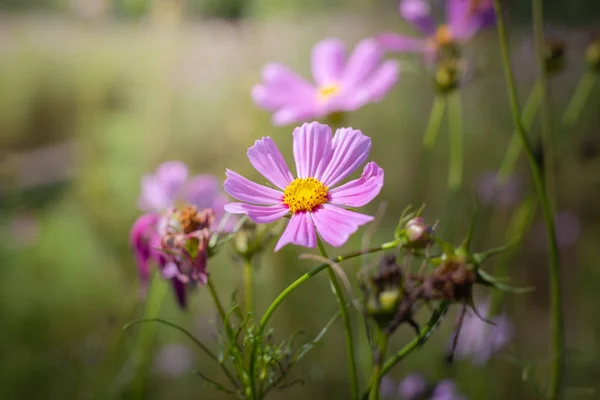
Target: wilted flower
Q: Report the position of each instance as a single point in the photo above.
(464, 20)
(478, 339)
(340, 85)
(182, 231)
(322, 161)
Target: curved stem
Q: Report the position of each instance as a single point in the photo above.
(582, 93)
(382, 342)
(215, 297)
(339, 294)
(294, 285)
(248, 285)
(556, 340)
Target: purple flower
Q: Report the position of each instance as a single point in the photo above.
(446, 390)
(340, 84)
(491, 191)
(464, 20)
(412, 387)
(479, 340)
(322, 161)
(163, 226)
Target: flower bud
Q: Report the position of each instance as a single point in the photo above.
(383, 291)
(592, 55)
(554, 55)
(447, 76)
(252, 238)
(418, 233)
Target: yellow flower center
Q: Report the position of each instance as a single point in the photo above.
(327, 91)
(304, 194)
(443, 35)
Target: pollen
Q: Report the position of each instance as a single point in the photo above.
(304, 194)
(327, 91)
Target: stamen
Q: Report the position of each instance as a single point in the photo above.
(328, 91)
(304, 194)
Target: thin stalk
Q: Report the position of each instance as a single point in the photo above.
(294, 285)
(216, 299)
(435, 121)
(580, 97)
(532, 106)
(248, 285)
(382, 342)
(339, 294)
(155, 299)
(455, 171)
(556, 329)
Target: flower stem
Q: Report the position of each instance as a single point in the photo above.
(435, 121)
(455, 125)
(382, 342)
(582, 93)
(294, 285)
(556, 329)
(248, 285)
(513, 152)
(215, 297)
(339, 294)
(155, 299)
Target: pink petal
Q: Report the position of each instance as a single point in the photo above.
(160, 191)
(245, 190)
(463, 22)
(400, 43)
(362, 62)
(312, 149)
(267, 160)
(139, 239)
(328, 57)
(335, 224)
(270, 99)
(296, 114)
(350, 149)
(374, 89)
(258, 214)
(201, 191)
(360, 191)
(299, 231)
(418, 14)
(282, 79)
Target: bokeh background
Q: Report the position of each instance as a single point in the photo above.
(95, 93)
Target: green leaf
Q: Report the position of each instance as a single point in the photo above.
(485, 278)
(310, 345)
(213, 383)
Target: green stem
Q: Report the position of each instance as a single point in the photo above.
(435, 120)
(417, 342)
(155, 299)
(248, 285)
(215, 297)
(294, 285)
(455, 172)
(339, 294)
(382, 342)
(513, 152)
(556, 329)
(580, 97)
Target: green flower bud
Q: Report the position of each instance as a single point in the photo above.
(447, 76)
(252, 238)
(554, 53)
(592, 55)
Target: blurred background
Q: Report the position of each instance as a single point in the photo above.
(95, 93)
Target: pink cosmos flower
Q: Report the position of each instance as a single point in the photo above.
(464, 20)
(340, 84)
(162, 191)
(311, 200)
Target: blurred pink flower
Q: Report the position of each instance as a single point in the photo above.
(340, 84)
(321, 162)
(479, 340)
(161, 191)
(463, 22)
